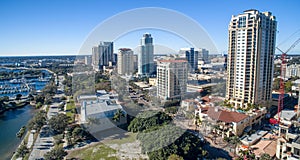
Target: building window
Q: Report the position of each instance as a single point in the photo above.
(242, 22)
(297, 151)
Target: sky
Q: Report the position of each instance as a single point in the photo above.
(60, 27)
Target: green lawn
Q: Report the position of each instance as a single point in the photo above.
(71, 105)
(71, 110)
(97, 151)
(71, 115)
(130, 138)
(102, 151)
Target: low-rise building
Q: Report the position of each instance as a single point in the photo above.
(288, 144)
(288, 147)
(100, 113)
(152, 81)
(267, 144)
(249, 140)
(292, 70)
(189, 104)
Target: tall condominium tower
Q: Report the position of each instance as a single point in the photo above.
(125, 61)
(145, 57)
(203, 55)
(251, 49)
(172, 78)
(102, 55)
(191, 56)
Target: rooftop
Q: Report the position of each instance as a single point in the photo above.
(266, 145)
(87, 97)
(173, 60)
(141, 84)
(225, 116)
(297, 140)
(95, 107)
(253, 138)
(125, 49)
(286, 114)
(212, 99)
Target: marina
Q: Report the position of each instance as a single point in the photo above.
(22, 85)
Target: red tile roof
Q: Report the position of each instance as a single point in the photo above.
(204, 110)
(225, 116)
(125, 49)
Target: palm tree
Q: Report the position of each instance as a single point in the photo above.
(265, 156)
(197, 121)
(235, 140)
(22, 150)
(118, 115)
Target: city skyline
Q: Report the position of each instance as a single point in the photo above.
(59, 28)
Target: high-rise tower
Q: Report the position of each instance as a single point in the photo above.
(125, 61)
(251, 50)
(145, 57)
(172, 78)
(102, 55)
(191, 56)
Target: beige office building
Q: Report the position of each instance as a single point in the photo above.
(251, 50)
(171, 78)
(125, 61)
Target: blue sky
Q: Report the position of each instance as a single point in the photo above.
(44, 27)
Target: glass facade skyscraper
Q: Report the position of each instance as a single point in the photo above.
(145, 56)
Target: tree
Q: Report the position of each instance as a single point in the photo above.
(18, 96)
(204, 153)
(21, 132)
(50, 89)
(38, 105)
(48, 99)
(30, 97)
(198, 121)
(118, 115)
(38, 120)
(246, 154)
(288, 86)
(171, 110)
(39, 98)
(63, 98)
(22, 151)
(56, 153)
(187, 146)
(58, 123)
(235, 140)
(78, 133)
(148, 120)
(175, 157)
(5, 99)
(276, 84)
(265, 156)
(58, 139)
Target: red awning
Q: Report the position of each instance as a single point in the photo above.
(273, 121)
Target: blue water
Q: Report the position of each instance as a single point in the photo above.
(10, 123)
(38, 85)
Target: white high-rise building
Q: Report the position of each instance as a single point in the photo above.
(292, 70)
(102, 55)
(172, 77)
(145, 57)
(125, 61)
(251, 50)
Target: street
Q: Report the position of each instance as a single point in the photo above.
(45, 141)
